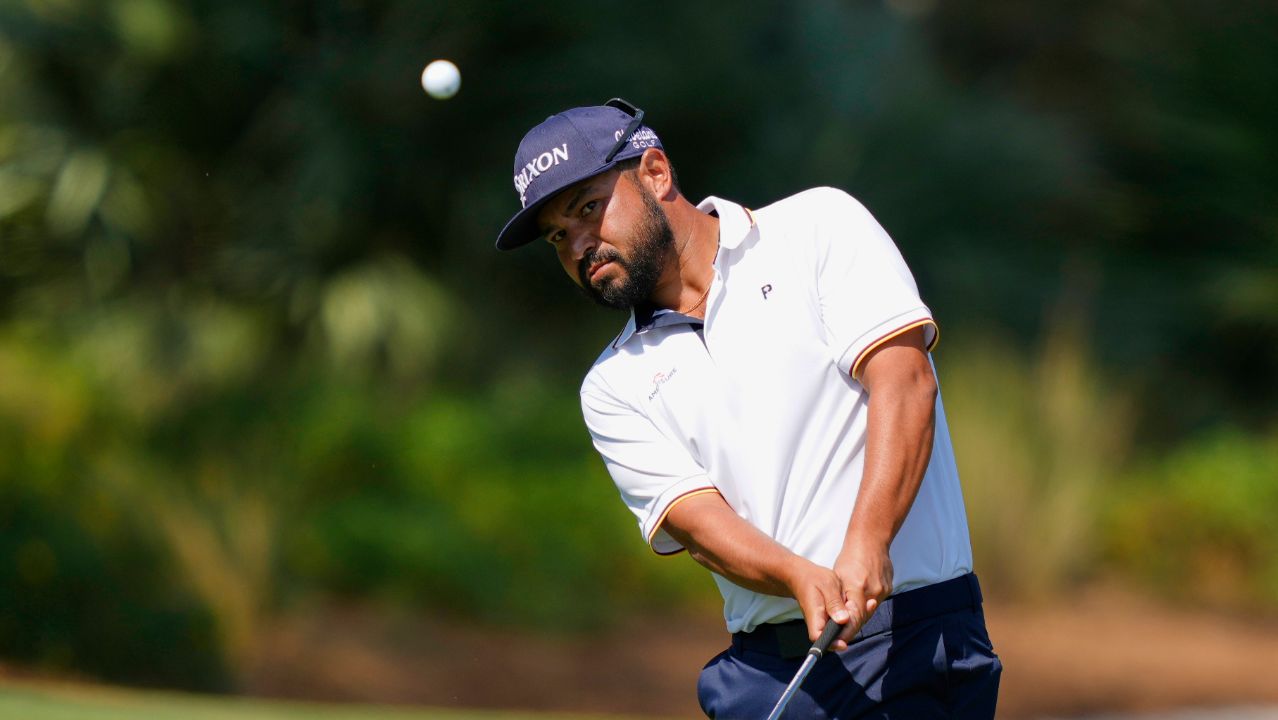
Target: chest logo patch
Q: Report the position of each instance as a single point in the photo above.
(765, 290)
(660, 379)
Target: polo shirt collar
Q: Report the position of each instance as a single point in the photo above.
(648, 318)
(735, 222)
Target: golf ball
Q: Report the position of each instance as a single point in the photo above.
(441, 79)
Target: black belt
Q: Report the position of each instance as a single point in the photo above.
(790, 639)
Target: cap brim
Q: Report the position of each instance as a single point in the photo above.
(522, 228)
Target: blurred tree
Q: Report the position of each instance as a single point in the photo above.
(1174, 106)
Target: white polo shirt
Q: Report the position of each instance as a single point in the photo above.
(762, 403)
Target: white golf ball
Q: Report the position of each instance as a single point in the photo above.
(441, 79)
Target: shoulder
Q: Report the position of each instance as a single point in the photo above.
(603, 374)
(817, 215)
(812, 220)
(813, 203)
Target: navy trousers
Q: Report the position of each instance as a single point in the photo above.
(924, 653)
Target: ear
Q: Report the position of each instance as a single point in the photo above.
(655, 174)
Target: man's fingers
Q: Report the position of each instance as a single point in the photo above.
(824, 603)
(837, 611)
(831, 608)
(828, 635)
(840, 615)
(814, 623)
(855, 603)
(866, 578)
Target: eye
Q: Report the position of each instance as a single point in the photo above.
(589, 208)
(554, 237)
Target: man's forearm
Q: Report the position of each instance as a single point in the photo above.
(901, 423)
(719, 539)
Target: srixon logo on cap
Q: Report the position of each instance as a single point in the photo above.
(537, 166)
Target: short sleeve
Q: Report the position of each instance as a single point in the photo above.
(653, 472)
(867, 294)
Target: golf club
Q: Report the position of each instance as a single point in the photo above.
(814, 653)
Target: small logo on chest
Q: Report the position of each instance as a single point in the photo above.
(660, 379)
(765, 290)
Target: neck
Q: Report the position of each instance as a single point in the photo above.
(685, 284)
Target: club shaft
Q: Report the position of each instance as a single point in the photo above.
(793, 687)
(818, 649)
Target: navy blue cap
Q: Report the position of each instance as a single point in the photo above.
(569, 147)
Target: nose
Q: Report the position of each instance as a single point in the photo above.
(582, 243)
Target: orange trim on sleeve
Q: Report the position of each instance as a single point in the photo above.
(749, 215)
(936, 337)
(664, 513)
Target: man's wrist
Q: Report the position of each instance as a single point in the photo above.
(867, 539)
(792, 574)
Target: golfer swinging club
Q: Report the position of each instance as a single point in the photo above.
(771, 407)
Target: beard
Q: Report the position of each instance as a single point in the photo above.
(650, 244)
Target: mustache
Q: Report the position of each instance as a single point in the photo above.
(594, 256)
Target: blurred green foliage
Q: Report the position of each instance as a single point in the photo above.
(84, 586)
(1198, 523)
(255, 345)
(185, 528)
(1038, 438)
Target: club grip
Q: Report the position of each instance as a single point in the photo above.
(822, 644)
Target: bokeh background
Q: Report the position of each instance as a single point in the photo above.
(259, 358)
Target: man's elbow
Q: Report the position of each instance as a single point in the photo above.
(696, 551)
(701, 558)
(925, 385)
(685, 537)
(913, 385)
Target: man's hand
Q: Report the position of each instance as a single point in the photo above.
(864, 570)
(820, 596)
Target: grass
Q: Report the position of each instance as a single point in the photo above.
(50, 701)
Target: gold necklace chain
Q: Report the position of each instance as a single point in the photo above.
(704, 295)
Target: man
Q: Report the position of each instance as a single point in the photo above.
(771, 407)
